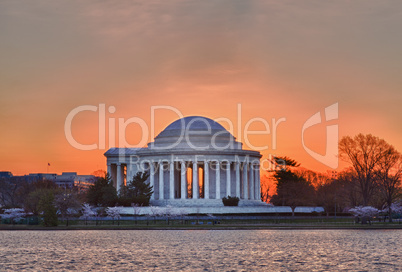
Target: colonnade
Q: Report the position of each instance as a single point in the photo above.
(187, 179)
(118, 174)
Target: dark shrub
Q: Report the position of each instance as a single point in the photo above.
(137, 191)
(230, 201)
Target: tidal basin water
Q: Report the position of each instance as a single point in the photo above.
(202, 250)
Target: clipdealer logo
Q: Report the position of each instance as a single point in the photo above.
(330, 158)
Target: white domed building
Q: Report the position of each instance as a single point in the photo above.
(193, 162)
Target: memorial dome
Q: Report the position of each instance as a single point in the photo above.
(191, 123)
(195, 132)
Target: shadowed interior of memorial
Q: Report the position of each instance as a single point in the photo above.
(193, 161)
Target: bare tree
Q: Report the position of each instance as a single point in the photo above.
(389, 179)
(67, 204)
(315, 178)
(367, 155)
(265, 196)
(11, 192)
(350, 191)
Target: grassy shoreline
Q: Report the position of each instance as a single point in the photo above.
(232, 226)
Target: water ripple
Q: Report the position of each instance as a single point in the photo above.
(213, 250)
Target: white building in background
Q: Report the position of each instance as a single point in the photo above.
(65, 180)
(193, 162)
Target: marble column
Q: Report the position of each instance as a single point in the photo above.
(245, 182)
(113, 174)
(128, 173)
(171, 180)
(228, 179)
(257, 183)
(237, 164)
(183, 183)
(252, 181)
(195, 180)
(218, 181)
(161, 183)
(119, 177)
(151, 179)
(206, 179)
(109, 169)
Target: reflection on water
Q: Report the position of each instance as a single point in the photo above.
(199, 250)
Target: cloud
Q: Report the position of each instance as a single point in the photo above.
(275, 57)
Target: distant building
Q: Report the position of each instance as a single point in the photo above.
(65, 180)
(5, 174)
(32, 177)
(83, 182)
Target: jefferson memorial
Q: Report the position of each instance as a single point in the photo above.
(193, 162)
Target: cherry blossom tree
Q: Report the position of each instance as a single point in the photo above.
(178, 212)
(14, 214)
(170, 212)
(136, 211)
(156, 211)
(114, 213)
(397, 207)
(87, 212)
(364, 212)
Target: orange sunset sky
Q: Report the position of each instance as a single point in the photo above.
(272, 59)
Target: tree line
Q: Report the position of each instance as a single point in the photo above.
(46, 200)
(373, 179)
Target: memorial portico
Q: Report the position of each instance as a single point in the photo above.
(193, 161)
